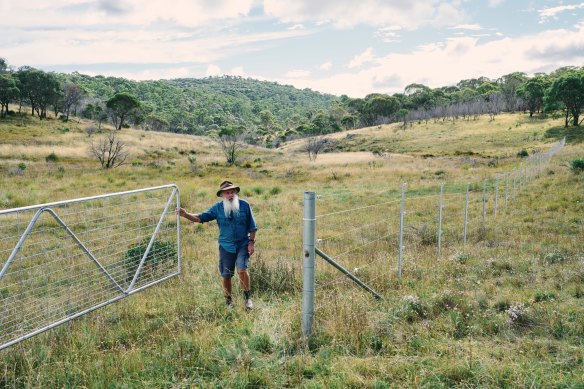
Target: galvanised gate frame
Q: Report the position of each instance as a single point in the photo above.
(79, 255)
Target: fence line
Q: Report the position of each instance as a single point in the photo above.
(474, 213)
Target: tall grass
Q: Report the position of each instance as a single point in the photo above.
(504, 310)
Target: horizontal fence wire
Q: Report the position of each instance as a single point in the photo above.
(363, 236)
(61, 260)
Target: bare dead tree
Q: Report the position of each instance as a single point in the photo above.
(110, 151)
(231, 146)
(313, 145)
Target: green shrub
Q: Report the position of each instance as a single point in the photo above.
(22, 166)
(52, 157)
(160, 254)
(461, 258)
(523, 153)
(577, 166)
(275, 190)
(555, 257)
(543, 296)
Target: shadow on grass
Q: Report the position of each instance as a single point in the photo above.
(573, 134)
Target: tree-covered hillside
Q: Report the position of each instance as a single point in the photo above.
(267, 113)
(198, 106)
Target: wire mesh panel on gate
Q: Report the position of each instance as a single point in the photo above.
(61, 260)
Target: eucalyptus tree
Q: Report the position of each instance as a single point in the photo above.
(568, 91)
(422, 96)
(509, 84)
(380, 109)
(72, 97)
(122, 106)
(3, 66)
(532, 92)
(155, 123)
(29, 79)
(8, 92)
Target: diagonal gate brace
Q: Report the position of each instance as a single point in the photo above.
(347, 273)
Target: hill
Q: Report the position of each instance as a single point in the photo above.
(192, 105)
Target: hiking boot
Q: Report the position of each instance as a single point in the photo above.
(248, 304)
(228, 303)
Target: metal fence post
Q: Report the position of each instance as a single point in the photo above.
(496, 197)
(484, 201)
(506, 189)
(514, 184)
(465, 214)
(520, 171)
(308, 262)
(440, 219)
(401, 231)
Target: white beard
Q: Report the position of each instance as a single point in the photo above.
(231, 207)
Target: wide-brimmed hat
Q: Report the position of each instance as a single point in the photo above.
(226, 185)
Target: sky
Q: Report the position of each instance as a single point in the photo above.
(351, 47)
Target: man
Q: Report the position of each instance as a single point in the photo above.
(237, 231)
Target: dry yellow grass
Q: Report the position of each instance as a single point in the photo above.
(178, 334)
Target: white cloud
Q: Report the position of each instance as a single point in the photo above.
(495, 3)
(128, 46)
(548, 13)
(298, 73)
(361, 59)
(388, 34)
(472, 27)
(237, 71)
(326, 66)
(296, 27)
(121, 13)
(446, 63)
(349, 13)
(213, 70)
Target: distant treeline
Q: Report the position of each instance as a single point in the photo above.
(268, 113)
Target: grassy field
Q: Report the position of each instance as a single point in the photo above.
(503, 310)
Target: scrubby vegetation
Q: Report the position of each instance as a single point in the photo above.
(504, 310)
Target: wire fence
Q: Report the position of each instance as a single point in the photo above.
(64, 259)
(372, 241)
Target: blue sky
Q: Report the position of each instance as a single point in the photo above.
(332, 46)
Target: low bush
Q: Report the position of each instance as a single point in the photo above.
(160, 254)
(52, 157)
(577, 166)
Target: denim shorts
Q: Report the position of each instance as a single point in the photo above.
(229, 261)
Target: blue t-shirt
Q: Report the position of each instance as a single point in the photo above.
(234, 230)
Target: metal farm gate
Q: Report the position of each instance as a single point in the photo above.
(61, 260)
